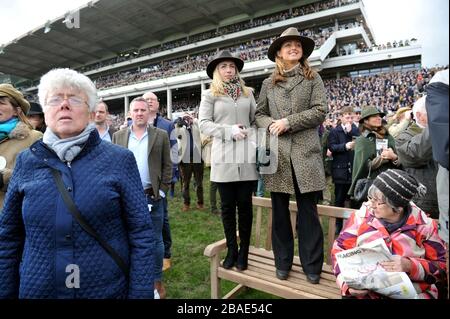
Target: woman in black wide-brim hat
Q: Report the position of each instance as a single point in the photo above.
(291, 106)
(227, 111)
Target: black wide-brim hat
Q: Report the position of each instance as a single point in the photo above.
(223, 56)
(291, 34)
(35, 109)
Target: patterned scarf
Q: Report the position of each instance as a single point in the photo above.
(68, 148)
(233, 88)
(7, 126)
(380, 132)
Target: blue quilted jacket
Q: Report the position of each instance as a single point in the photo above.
(40, 241)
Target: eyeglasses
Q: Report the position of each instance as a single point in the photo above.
(56, 100)
(375, 201)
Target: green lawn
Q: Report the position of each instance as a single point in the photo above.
(192, 231)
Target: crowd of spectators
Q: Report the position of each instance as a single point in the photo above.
(249, 51)
(386, 91)
(241, 26)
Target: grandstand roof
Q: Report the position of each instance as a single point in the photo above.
(110, 27)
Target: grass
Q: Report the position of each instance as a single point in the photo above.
(192, 231)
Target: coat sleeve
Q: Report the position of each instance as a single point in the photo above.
(414, 151)
(206, 119)
(333, 143)
(347, 239)
(315, 114)
(262, 115)
(12, 236)
(141, 235)
(433, 263)
(166, 164)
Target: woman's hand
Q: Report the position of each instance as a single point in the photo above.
(238, 132)
(389, 154)
(399, 264)
(277, 127)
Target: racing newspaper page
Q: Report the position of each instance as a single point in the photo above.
(360, 269)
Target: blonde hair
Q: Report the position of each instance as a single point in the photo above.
(278, 74)
(217, 88)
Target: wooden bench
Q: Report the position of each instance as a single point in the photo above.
(260, 274)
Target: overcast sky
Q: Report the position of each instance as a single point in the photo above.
(426, 20)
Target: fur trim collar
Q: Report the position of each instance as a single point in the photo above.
(20, 132)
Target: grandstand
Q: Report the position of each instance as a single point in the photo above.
(130, 47)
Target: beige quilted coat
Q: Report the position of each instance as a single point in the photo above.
(303, 103)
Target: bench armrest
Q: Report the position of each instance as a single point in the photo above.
(215, 248)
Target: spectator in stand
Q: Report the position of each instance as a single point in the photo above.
(191, 163)
(292, 105)
(416, 157)
(101, 115)
(16, 133)
(341, 143)
(374, 148)
(36, 117)
(437, 111)
(158, 121)
(400, 121)
(234, 174)
(44, 243)
(410, 235)
(151, 149)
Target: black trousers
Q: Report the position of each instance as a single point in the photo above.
(340, 196)
(237, 195)
(309, 231)
(187, 169)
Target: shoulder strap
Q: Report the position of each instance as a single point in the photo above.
(83, 223)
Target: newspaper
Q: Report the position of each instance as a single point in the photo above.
(360, 269)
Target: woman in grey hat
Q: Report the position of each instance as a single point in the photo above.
(374, 148)
(16, 132)
(409, 234)
(227, 111)
(292, 104)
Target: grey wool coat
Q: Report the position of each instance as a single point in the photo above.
(231, 161)
(303, 103)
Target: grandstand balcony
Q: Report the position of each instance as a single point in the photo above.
(317, 18)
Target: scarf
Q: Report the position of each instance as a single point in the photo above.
(380, 132)
(7, 127)
(391, 227)
(233, 88)
(68, 148)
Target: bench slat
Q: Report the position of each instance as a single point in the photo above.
(260, 274)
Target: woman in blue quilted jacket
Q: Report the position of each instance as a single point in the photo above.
(44, 250)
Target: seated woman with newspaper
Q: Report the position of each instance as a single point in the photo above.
(411, 255)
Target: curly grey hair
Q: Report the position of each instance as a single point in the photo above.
(67, 79)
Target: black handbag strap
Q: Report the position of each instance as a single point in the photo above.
(83, 223)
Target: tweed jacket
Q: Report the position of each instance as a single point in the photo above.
(417, 240)
(19, 139)
(231, 161)
(303, 103)
(41, 243)
(159, 159)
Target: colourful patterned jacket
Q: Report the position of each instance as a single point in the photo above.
(417, 239)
